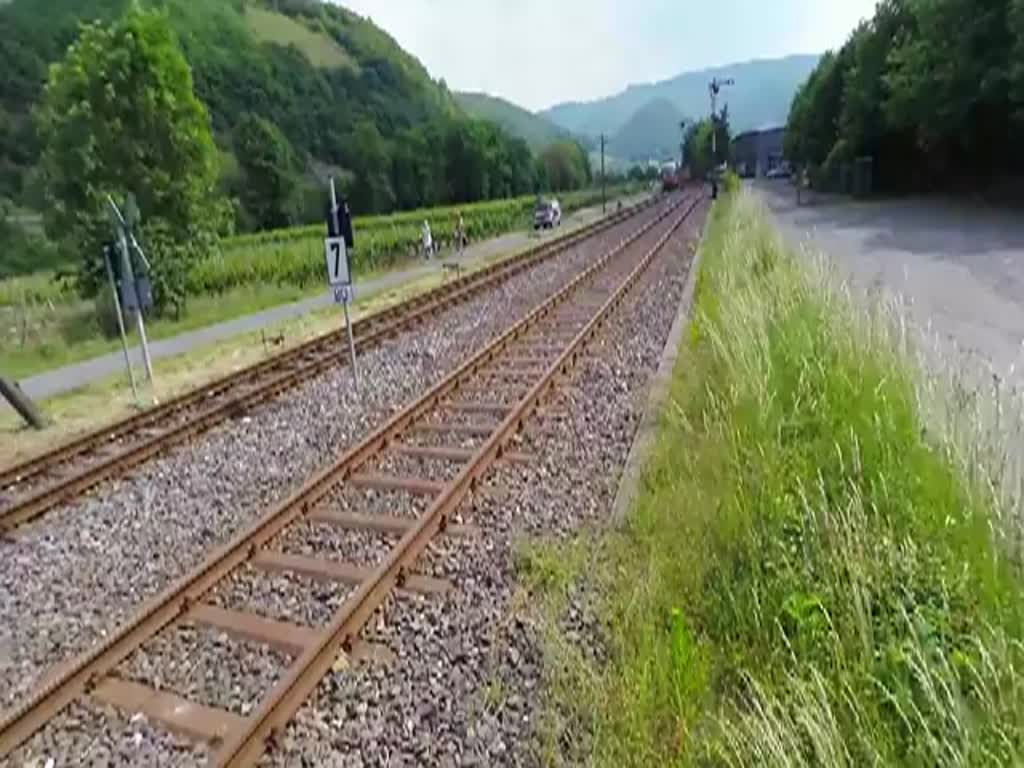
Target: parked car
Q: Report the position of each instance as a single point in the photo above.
(547, 215)
(778, 172)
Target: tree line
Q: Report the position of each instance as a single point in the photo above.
(931, 90)
(446, 161)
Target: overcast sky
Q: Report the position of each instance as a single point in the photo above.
(541, 52)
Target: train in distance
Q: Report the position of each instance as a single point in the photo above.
(672, 177)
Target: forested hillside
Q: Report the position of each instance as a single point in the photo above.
(295, 90)
(535, 130)
(932, 91)
(652, 133)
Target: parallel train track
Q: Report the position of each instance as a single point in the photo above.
(452, 435)
(57, 477)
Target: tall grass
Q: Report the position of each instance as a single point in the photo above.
(821, 567)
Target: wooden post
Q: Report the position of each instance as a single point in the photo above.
(21, 403)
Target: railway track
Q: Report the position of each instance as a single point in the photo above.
(423, 462)
(33, 487)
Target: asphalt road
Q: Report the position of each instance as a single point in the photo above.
(71, 377)
(961, 266)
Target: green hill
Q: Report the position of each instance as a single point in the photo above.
(315, 70)
(652, 133)
(269, 26)
(535, 130)
(761, 96)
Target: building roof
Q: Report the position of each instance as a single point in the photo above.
(759, 131)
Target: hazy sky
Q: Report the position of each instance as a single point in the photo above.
(540, 52)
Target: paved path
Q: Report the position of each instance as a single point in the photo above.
(71, 377)
(960, 265)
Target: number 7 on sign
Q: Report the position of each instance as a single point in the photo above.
(337, 261)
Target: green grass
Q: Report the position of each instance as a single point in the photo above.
(68, 332)
(819, 567)
(34, 288)
(272, 27)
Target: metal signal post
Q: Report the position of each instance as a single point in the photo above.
(135, 293)
(339, 277)
(604, 198)
(120, 320)
(682, 148)
(714, 88)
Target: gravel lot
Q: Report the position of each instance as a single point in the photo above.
(958, 266)
(83, 568)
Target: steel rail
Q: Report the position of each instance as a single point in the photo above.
(252, 389)
(70, 680)
(266, 724)
(330, 341)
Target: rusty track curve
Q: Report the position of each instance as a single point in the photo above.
(564, 324)
(154, 431)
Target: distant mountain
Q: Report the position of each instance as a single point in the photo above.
(652, 132)
(536, 131)
(760, 97)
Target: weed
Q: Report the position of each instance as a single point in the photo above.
(821, 565)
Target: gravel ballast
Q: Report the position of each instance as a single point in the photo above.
(465, 687)
(85, 567)
(466, 670)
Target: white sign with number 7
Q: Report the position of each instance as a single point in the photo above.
(337, 262)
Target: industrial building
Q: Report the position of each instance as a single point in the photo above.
(758, 153)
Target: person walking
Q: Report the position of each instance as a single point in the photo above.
(428, 241)
(460, 233)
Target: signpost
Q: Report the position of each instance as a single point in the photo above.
(337, 244)
(107, 256)
(135, 293)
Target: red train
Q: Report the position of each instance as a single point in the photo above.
(672, 177)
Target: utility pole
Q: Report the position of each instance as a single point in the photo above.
(682, 148)
(714, 87)
(604, 199)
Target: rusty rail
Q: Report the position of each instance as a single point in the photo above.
(192, 413)
(243, 745)
(247, 746)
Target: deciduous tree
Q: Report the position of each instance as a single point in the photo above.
(118, 115)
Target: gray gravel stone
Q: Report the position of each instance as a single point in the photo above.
(280, 596)
(85, 567)
(97, 735)
(466, 686)
(206, 666)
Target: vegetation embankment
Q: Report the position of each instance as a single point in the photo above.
(47, 324)
(821, 564)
